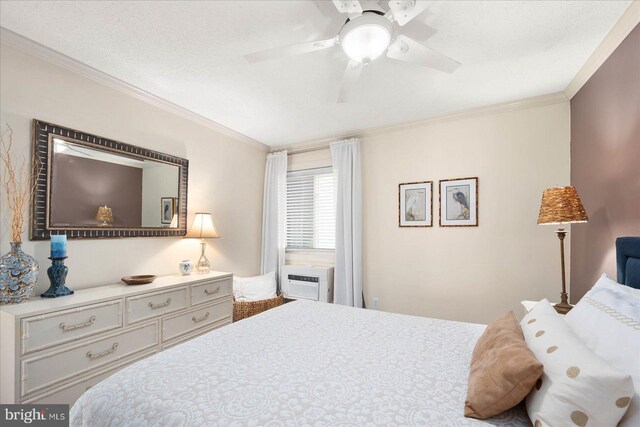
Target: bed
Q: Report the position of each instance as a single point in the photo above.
(309, 363)
(303, 363)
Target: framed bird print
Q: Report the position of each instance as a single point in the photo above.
(459, 202)
(415, 204)
(167, 209)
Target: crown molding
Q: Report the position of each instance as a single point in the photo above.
(16, 41)
(520, 104)
(627, 22)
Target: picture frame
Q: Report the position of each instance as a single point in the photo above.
(167, 209)
(458, 198)
(415, 204)
(43, 141)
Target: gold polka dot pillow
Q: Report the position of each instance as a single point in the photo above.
(577, 387)
(607, 320)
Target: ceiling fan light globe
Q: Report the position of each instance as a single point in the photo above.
(366, 37)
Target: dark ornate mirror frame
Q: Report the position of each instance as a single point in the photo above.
(40, 229)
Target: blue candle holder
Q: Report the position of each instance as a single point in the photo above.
(57, 276)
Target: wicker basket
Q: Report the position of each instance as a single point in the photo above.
(244, 309)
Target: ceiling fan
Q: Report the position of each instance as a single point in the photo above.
(368, 34)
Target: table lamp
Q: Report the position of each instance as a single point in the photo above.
(203, 228)
(104, 216)
(561, 205)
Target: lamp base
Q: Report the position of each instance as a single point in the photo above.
(563, 308)
(203, 266)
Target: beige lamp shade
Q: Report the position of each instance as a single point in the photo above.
(561, 205)
(202, 227)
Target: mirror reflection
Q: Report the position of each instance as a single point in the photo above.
(97, 188)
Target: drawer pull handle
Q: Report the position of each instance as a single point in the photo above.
(200, 319)
(66, 328)
(93, 356)
(164, 304)
(215, 291)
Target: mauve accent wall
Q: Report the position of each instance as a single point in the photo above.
(605, 163)
(81, 185)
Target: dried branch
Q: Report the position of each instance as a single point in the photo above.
(17, 185)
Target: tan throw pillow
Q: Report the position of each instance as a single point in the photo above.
(503, 369)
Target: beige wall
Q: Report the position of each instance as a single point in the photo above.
(477, 273)
(468, 274)
(605, 149)
(225, 176)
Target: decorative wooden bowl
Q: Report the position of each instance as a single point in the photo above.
(142, 279)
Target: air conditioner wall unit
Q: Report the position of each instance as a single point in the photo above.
(307, 282)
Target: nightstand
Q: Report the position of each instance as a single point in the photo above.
(528, 305)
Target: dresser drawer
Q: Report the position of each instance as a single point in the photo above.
(175, 326)
(68, 394)
(40, 332)
(49, 369)
(210, 291)
(197, 333)
(152, 305)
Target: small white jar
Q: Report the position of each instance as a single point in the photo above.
(186, 267)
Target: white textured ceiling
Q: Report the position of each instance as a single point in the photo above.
(190, 53)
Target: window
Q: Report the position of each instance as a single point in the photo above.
(311, 209)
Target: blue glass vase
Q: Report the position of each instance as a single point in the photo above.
(18, 275)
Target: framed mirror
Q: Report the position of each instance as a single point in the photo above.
(93, 187)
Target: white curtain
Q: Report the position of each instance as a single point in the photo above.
(274, 214)
(345, 157)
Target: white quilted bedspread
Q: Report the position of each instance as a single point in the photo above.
(303, 363)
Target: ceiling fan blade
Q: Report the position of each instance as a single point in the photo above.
(379, 5)
(327, 8)
(294, 49)
(348, 6)
(349, 79)
(406, 49)
(418, 30)
(405, 10)
(328, 21)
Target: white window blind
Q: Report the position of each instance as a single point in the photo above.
(311, 209)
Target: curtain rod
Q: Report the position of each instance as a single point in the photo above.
(303, 150)
(320, 145)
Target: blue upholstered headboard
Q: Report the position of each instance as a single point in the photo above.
(628, 260)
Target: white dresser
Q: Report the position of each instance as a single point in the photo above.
(55, 349)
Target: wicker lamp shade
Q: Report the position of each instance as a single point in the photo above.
(561, 205)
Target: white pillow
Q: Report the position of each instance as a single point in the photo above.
(577, 386)
(255, 288)
(607, 319)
